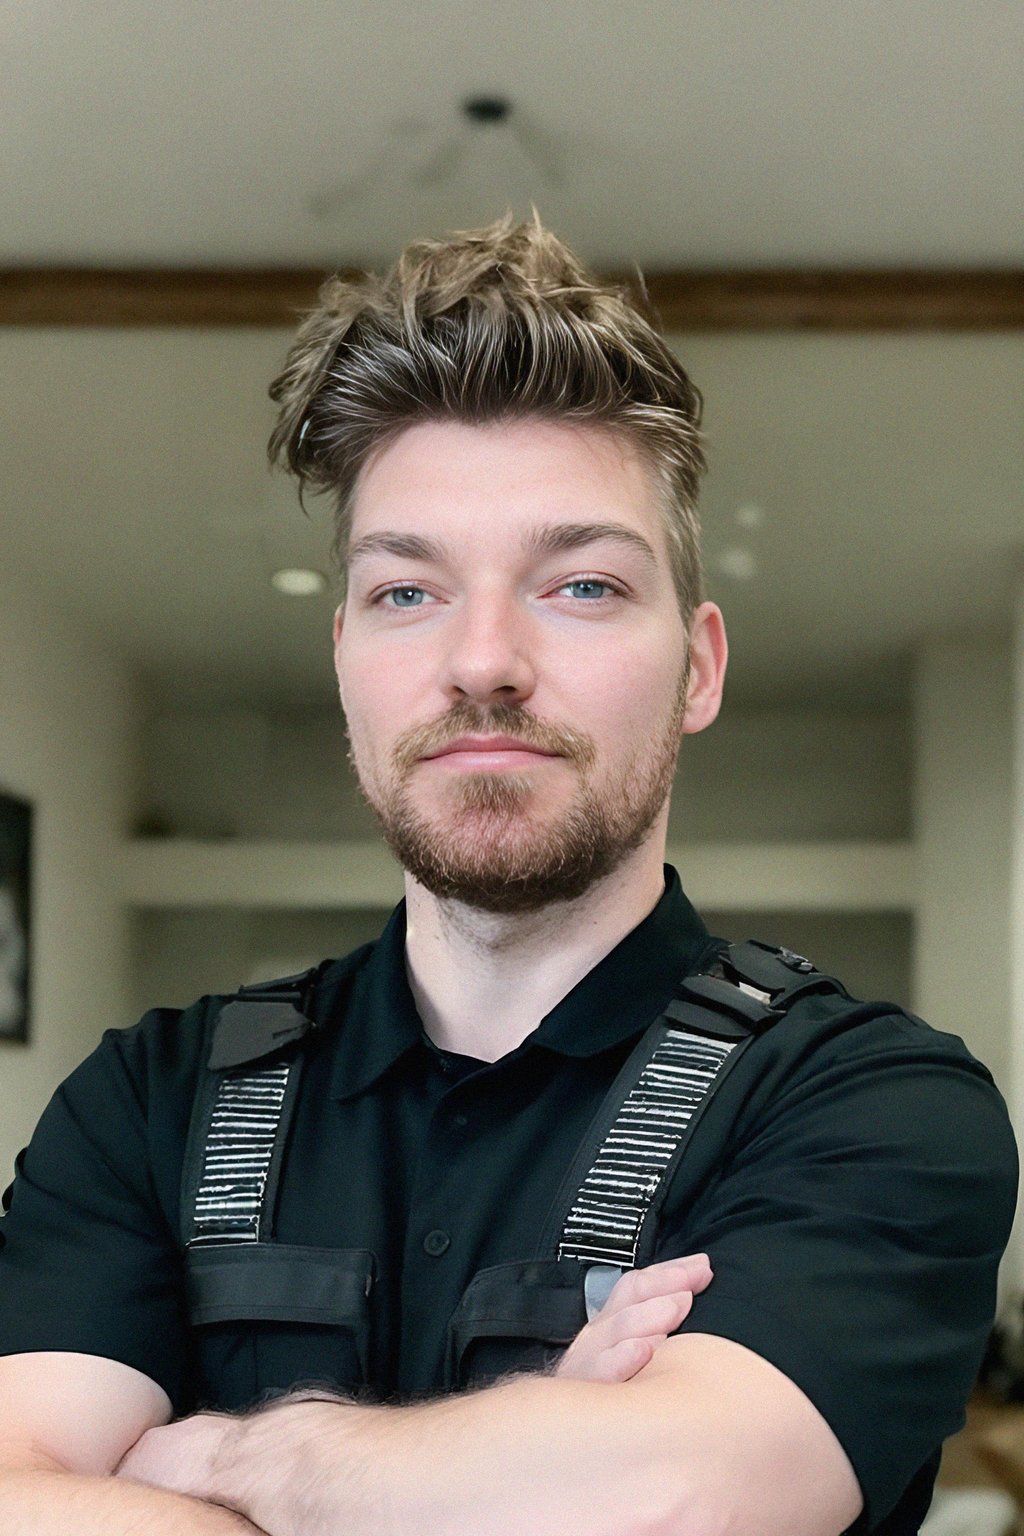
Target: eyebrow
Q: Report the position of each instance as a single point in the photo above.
(551, 539)
(407, 546)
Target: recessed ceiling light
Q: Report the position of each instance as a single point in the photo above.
(749, 515)
(299, 582)
(737, 563)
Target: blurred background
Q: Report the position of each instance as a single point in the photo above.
(825, 201)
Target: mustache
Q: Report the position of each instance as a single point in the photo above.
(468, 719)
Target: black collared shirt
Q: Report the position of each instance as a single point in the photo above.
(853, 1181)
(459, 1159)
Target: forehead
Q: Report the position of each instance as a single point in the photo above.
(503, 479)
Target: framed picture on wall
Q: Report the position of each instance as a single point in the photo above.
(15, 916)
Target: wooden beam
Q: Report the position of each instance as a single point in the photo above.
(83, 296)
(897, 300)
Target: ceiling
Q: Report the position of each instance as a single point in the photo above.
(689, 132)
(885, 467)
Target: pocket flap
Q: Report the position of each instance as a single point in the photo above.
(279, 1282)
(539, 1300)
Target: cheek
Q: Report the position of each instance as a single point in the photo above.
(379, 698)
(364, 679)
(356, 698)
(629, 694)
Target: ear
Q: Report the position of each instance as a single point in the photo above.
(709, 653)
(339, 617)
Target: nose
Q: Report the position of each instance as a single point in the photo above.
(489, 654)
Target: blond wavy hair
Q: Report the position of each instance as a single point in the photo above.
(489, 325)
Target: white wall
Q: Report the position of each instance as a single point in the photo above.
(242, 773)
(248, 773)
(795, 775)
(963, 832)
(178, 954)
(1015, 920)
(66, 744)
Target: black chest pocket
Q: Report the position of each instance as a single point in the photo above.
(267, 1317)
(514, 1317)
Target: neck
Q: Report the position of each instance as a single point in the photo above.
(483, 980)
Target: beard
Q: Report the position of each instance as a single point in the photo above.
(493, 847)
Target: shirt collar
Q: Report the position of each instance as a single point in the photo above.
(618, 998)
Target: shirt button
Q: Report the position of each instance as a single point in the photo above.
(460, 1120)
(436, 1242)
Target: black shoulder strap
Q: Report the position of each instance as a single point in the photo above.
(607, 1207)
(606, 1212)
(242, 1112)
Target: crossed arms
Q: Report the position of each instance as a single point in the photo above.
(636, 1434)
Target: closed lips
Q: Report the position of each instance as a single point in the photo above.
(490, 744)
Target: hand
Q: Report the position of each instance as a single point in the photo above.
(249, 1462)
(642, 1309)
(180, 1457)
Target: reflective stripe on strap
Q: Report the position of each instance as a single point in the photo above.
(604, 1221)
(239, 1147)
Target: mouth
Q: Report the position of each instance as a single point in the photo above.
(493, 752)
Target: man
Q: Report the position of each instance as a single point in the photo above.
(776, 1337)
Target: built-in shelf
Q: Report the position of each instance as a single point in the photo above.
(762, 877)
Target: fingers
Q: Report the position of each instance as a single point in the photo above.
(624, 1360)
(691, 1274)
(643, 1308)
(644, 1319)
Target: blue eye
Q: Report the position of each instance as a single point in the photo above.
(587, 589)
(406, 597)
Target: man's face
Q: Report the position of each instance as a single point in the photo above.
(511, 657)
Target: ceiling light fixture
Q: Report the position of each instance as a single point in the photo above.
(737, 563)
(485, 114)
(486, 109)
(299, 581)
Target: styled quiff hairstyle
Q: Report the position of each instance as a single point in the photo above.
(490, 325)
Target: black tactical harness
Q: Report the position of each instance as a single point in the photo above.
(604, 1215)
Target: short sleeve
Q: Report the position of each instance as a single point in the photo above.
(88, 1258)
(855, 1228)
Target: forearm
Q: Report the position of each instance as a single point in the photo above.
(531, 1454)
(44, 1500)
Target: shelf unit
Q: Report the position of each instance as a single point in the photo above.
(767, 877)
